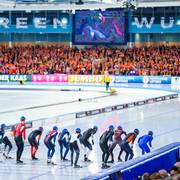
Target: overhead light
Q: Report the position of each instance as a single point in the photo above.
(1, 20)
(64, 21)
(128, 5)
(80, 2)
(178, 22)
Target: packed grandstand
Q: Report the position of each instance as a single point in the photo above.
(154, 61)
(122, 39)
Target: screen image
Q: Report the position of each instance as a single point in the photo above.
(92, 27)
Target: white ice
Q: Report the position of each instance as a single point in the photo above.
(16, 103)
(162, 118)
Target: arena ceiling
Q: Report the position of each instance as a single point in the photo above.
(30, 5)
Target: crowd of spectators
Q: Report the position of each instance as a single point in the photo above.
(162, 174)
(162, 60)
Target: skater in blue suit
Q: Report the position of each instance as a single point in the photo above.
(143, 142)
(49, 141)
(64, 140)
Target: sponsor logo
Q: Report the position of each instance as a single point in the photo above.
(145, 80)
(165, 22)
(14, 77)
(86, 78)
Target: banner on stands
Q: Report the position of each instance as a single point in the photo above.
(148, 25)
(126, 79)
(143, 79)
(50, 78)
(86, 79)
(27, 124)
(15, 78)
(95, 79)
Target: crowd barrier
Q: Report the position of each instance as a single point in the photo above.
(124, 106)
(95, 79)
(163, 158)
(28, 125)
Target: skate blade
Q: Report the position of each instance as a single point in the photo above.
(21, 164)
(51, 164)
(77, 167)
(105, 167)
(9, 158)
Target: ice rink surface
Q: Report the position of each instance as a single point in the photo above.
(162, 118)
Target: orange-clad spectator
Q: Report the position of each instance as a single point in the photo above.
(162, 60)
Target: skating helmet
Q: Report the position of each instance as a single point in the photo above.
(111, 127)
(78, 130)
(3, 126)
(119, 128)
(55, 128)
(41, 129)
(150, 133)
(95, 128)
(65, 130)
(136, 131)
(22, 118)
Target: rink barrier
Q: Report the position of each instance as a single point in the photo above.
(56, 120)
(28, 125)
(124, 106)
(162, 158)
(93, 79)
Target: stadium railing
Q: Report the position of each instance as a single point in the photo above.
(163, 158)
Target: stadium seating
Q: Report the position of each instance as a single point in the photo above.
(163, 60)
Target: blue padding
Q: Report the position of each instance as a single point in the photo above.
(163, 158)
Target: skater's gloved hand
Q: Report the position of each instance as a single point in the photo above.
(92, 142)
(131, 146)
(110, 143)
(38, 143)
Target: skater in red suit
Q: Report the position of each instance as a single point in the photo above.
(19, 134)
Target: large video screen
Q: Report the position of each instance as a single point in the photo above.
(99, 27)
